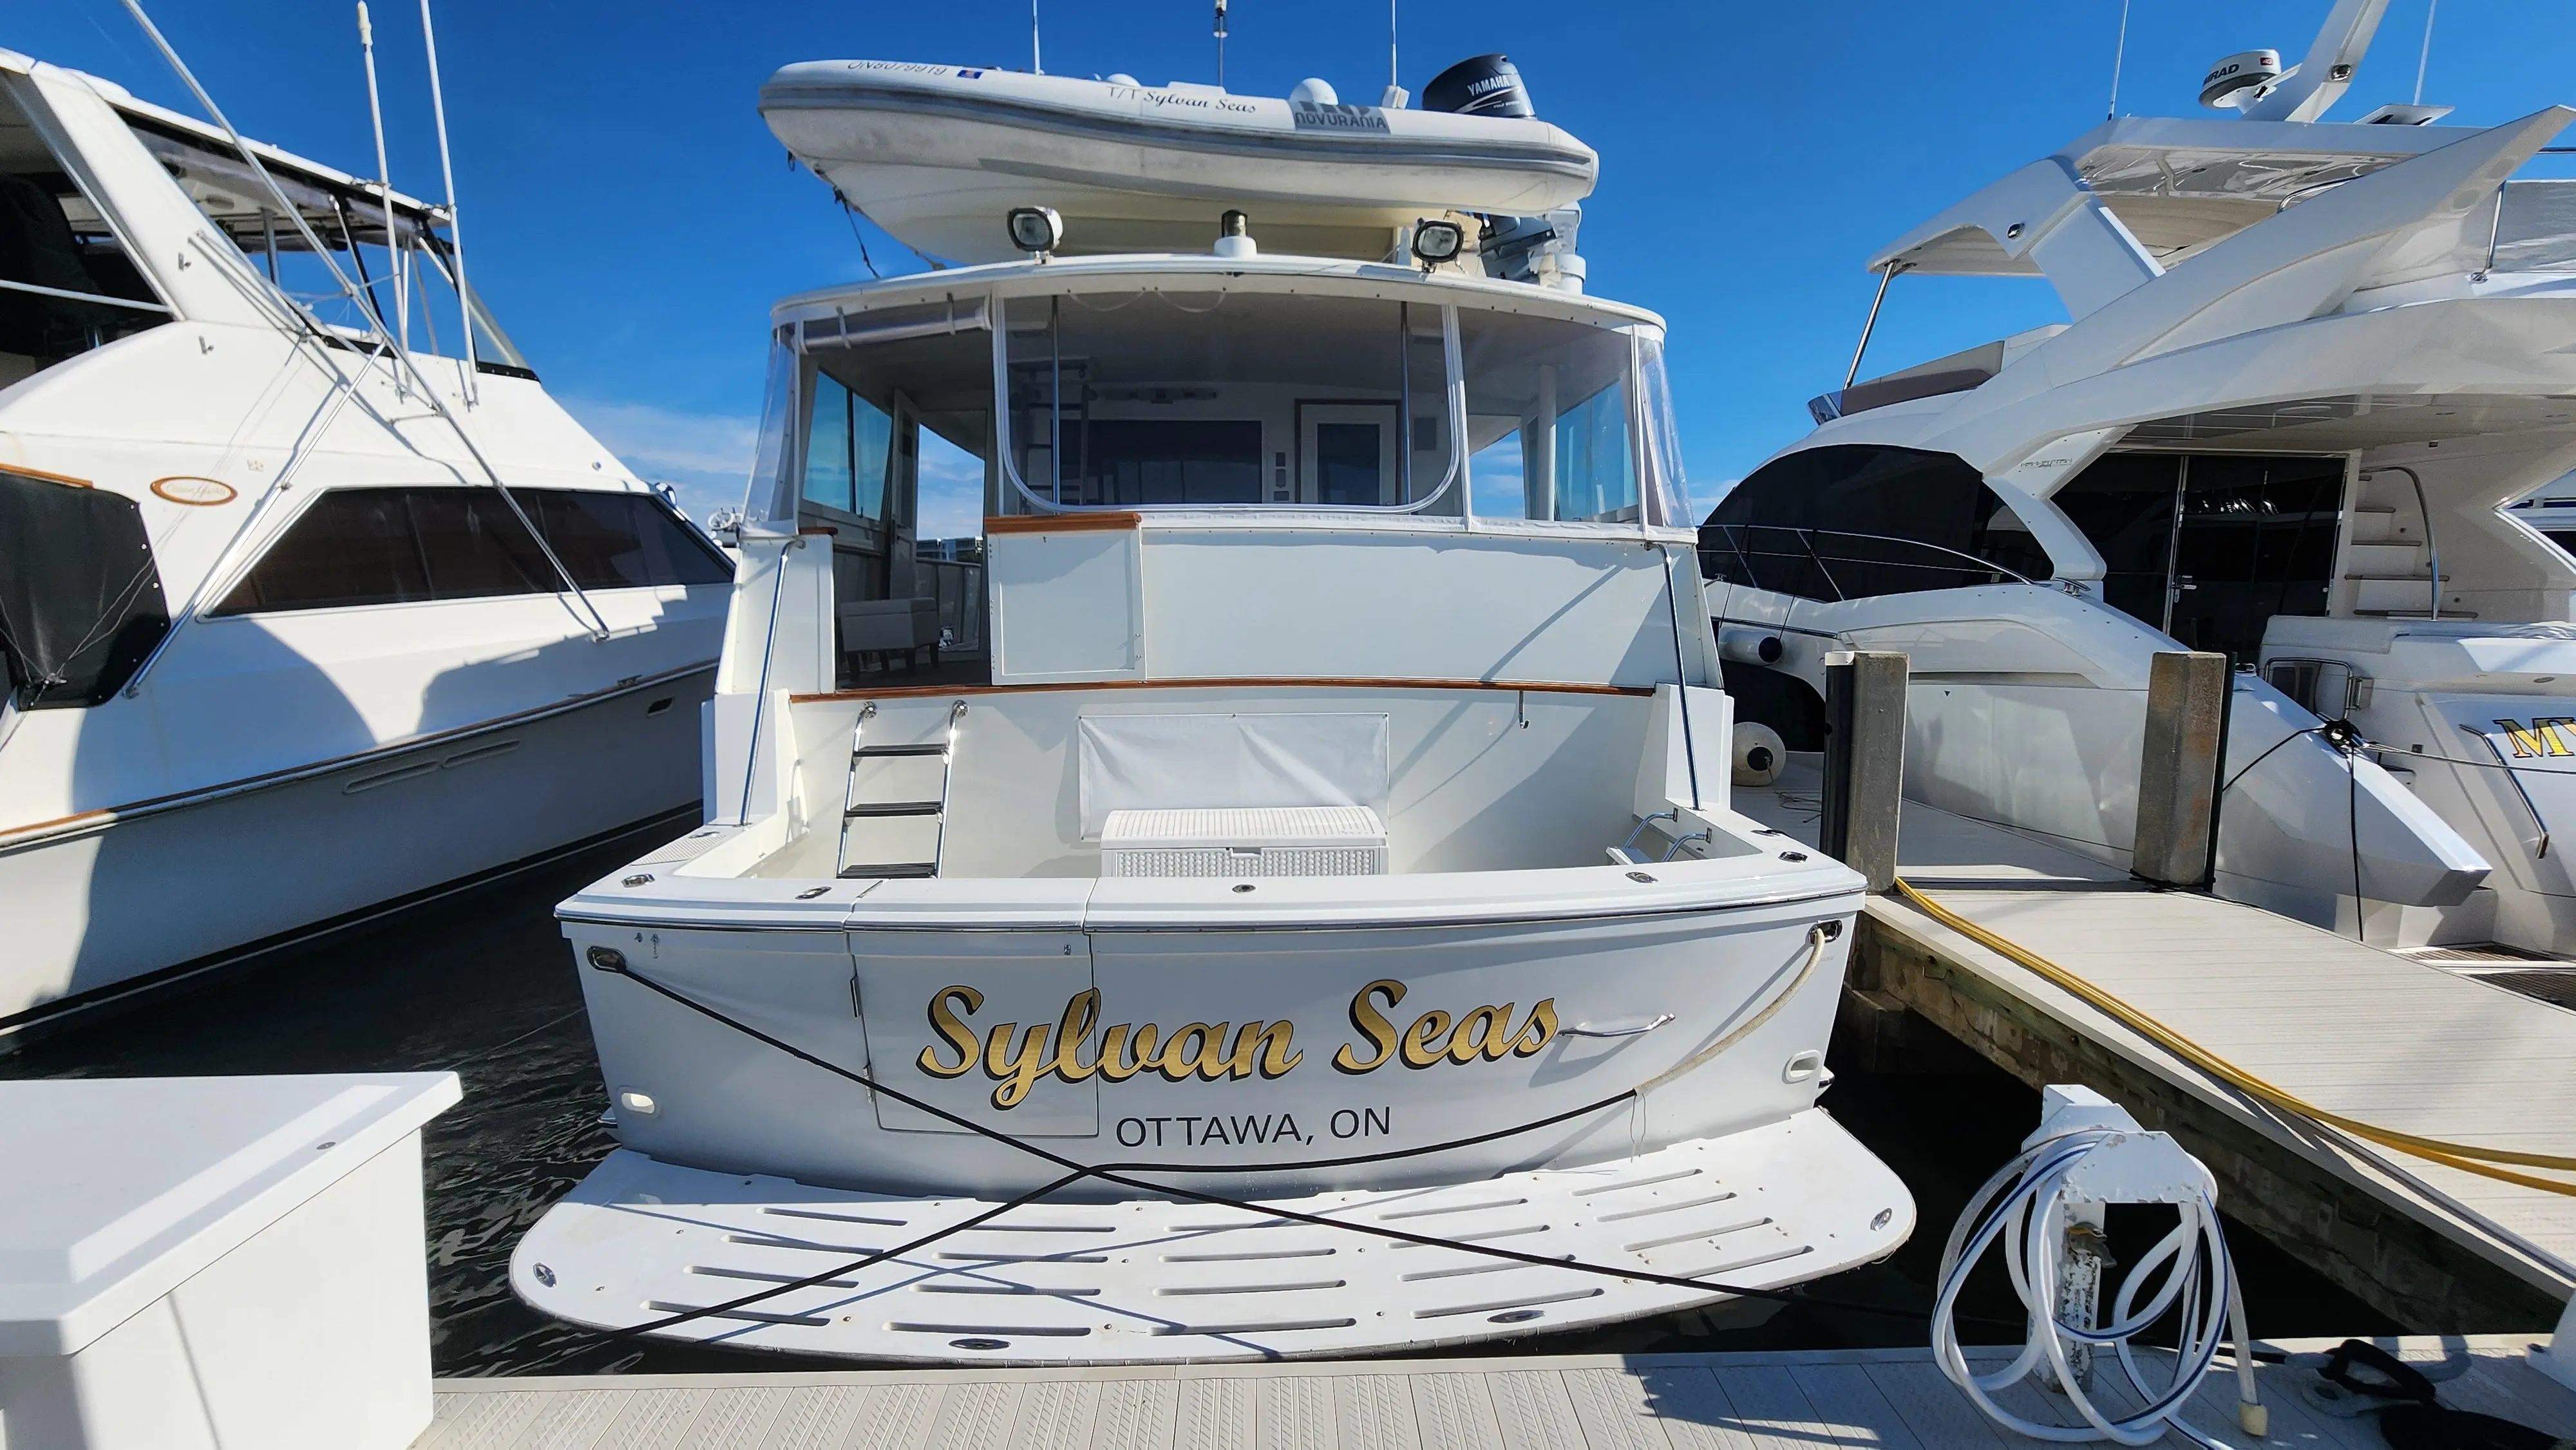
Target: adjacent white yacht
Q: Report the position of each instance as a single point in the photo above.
(2309, 362)
(298, 620)
(1327, 931)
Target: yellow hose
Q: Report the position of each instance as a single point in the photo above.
(2466, 1157)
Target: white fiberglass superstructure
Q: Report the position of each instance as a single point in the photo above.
(2308, 364)
(287, 637)
(1327, 929)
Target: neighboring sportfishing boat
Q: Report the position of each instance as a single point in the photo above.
(2308, 363)
(1326, 932)
(298, 620)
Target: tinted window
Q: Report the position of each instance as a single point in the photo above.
(1855, 521)
(1178, 461)
(622, 540)
(362, 546)
(2256, 539)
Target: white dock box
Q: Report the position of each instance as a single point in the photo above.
(1245, 842)
(195, 1263)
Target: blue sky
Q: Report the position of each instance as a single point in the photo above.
(630, 219)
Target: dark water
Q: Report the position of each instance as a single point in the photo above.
(482, 985)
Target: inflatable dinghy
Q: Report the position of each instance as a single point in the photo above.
(938, 155)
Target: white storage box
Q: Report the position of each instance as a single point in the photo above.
(1244, 842)
(215, 1262)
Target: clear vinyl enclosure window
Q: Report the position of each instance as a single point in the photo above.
(1163, 397)
(406, 268)
(849, 446)
(1160, 397)
(1569, 423)
(66, 283)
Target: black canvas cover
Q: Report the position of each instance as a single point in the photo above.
(80, 598)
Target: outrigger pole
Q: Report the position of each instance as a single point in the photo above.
(455, 228)
(599, 622)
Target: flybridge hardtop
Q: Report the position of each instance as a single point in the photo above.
(937, 154)
(2306, 366)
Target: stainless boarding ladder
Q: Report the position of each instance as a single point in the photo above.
(894, 816)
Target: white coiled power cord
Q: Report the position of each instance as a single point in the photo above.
(2045, 1209)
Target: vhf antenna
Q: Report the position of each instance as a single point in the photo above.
(1220, 44)
(1037, 61)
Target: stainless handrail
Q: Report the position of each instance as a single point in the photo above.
(1806, 539)
(93, 298)
(2495, 228)
(2432, 546)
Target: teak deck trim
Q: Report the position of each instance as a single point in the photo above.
(1119, 522)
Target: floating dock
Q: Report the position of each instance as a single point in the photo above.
(1892, 1398)
(2356, 1030)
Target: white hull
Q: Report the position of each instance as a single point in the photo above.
(1167, 1281)
(100, 904)
(1322, 1089)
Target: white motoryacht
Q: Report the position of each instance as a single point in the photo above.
(2308, 363)
(1327, 930)
(298, 620)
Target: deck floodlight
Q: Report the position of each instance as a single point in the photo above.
(1435, 242)
(1036, 230)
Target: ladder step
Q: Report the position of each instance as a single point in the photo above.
(897, 871)
(891, 808)
(872, 752)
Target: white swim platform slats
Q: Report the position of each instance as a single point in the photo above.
(1164, 1280)
(1892, 1398)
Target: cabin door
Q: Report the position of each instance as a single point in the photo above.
(1346, 454)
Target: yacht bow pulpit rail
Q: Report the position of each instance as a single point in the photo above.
(1332, 932)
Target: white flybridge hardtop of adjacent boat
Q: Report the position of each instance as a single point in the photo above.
(311, 600)
(1326, 930)
(937, 154)
(2308, 362)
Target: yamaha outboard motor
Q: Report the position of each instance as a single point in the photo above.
(1487, 85)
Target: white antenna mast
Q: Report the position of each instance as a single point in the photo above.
(385, 183)
(1394, 97)
(2119, 53)
(1037, 63)
(455, 227)
(2426, 58)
